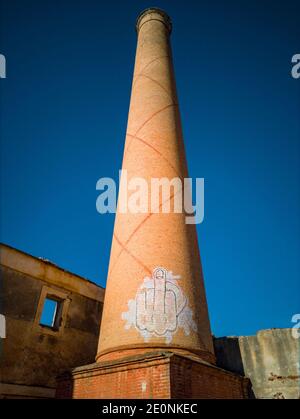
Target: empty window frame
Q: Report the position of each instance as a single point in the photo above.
(51, 313)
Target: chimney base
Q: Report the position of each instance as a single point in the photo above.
(153, 375)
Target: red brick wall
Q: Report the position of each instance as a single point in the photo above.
(137, 383)
(162, 376)
(142, 379)
(195, 380)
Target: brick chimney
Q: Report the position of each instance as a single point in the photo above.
(155, 340)
(155, 295)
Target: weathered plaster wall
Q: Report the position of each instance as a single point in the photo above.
(31, 354)
(270, 359)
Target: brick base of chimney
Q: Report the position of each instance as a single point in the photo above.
(153, 375)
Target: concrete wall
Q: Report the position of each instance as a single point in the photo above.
(33, 355)
(270, 359)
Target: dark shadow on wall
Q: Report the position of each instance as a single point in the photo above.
(65, 386)
(228, 354)
(228, 357)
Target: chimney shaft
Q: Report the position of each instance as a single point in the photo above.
(155, 297)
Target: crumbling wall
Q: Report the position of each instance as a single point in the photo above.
(270, 359)
(32, 355)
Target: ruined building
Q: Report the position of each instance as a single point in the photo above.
(34, 352)
(155, 339)
(32, 355)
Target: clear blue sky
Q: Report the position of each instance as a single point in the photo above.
(64, 110)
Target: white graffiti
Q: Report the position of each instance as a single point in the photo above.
(159, 307)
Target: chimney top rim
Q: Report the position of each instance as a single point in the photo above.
(166, 18)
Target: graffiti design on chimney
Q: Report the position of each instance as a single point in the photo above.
(160, 307)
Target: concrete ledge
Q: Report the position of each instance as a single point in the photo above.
(22, 391)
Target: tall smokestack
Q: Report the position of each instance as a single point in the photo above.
(155, 340)
(155, 295)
